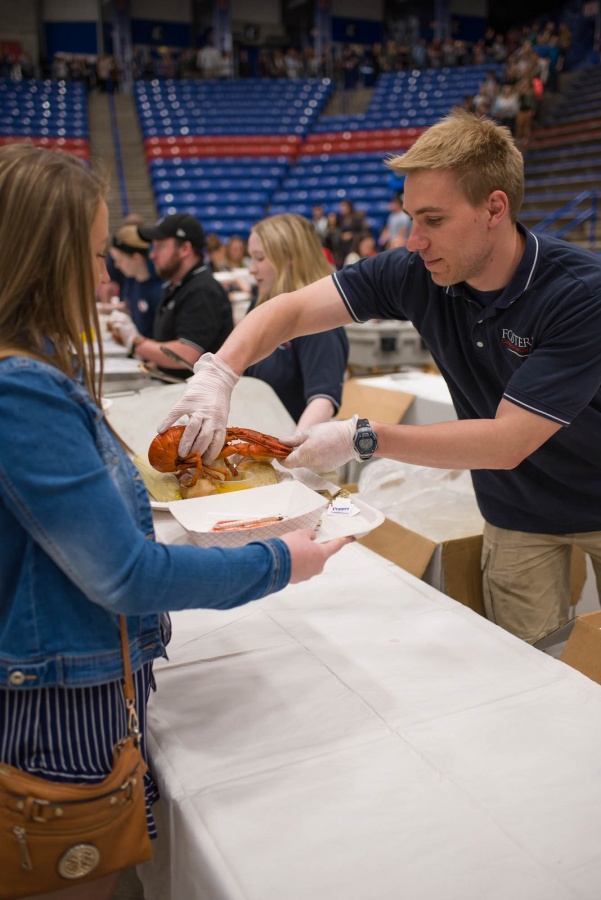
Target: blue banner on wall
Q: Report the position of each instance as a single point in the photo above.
(222, 28)
(122, 40)
(71, 37)
(356, 31)
(322, 27)
(155, 33)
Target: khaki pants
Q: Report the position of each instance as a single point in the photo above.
(526, 578)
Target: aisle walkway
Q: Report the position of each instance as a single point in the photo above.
(131, 191)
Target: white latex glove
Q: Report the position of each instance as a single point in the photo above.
(324, 447)
(206, 401)
(123, 329)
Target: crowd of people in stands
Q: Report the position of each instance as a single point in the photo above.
(351, 65)
(531, 67)
(346, 235)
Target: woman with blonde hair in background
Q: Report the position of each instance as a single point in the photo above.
(235, 252)
(307, 372)
(78, 548)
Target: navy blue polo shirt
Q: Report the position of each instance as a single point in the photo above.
(537, 344)
(142, 299)
(305, 368)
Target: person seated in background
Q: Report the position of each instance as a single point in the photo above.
(505, 107)
(469, 103)
(141, 289)
(490, 87)
(217, 254)
(364, 244)
(108, 293)
(236, 254)
(333, 238)
(319, 221)
(224, 259)
(307, 372)
(527, 104)
(398, 225)
(352, 222)
(195, 314)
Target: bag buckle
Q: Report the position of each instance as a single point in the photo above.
(128, 787)
(133, 724)
(35, 808)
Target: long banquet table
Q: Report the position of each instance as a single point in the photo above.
(363, 737)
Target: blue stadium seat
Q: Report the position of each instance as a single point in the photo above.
(248, 186)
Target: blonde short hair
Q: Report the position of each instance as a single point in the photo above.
(48, 203)
(294, 250)
(482, 154)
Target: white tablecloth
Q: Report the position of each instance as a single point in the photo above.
(363, 737)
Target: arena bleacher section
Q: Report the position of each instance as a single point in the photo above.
(47, 113)
(232, 151)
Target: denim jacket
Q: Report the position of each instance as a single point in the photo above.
(77, 543)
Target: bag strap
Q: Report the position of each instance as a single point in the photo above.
(129, 692)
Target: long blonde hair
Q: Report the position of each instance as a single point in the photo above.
(48, 202)
(482, 154)
(294, 250)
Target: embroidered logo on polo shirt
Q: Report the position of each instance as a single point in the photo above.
(521, 346)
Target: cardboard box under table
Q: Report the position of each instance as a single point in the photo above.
(583, 649)
(453, 566)
(413, 398)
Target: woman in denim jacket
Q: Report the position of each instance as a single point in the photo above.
(76, 529)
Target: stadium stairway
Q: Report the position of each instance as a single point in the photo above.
(563, 162)
(116, 140)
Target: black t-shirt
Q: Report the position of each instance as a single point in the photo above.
(196, 311)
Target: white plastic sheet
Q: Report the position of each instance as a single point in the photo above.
(437, 503)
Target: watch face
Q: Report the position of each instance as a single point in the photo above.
(366, 442)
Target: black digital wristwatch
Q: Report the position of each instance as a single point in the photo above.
(365, 441)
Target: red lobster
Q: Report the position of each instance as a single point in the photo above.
(163, 452)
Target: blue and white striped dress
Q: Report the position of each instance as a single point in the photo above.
(68, 734)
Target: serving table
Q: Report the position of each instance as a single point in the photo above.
(363, 737)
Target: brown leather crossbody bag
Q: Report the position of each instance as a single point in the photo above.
(56, 835)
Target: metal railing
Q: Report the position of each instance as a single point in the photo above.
(588, 214)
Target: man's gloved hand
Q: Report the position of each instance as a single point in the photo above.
(324, 447)
(206, 401)
(123, 329)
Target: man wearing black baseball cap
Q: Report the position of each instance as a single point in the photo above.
(182, 226)
(195, 314)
